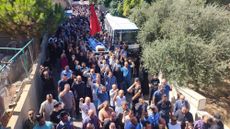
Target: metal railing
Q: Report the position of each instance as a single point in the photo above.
(12, 70)
(20, 50)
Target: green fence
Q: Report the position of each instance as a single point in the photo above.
(20, 51)
(15, 63)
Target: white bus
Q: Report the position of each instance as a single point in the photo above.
(122, 29)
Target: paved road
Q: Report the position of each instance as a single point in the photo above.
(77, 124)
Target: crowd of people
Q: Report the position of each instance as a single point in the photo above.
(103, 89)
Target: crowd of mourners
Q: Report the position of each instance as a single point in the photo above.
(103, 89)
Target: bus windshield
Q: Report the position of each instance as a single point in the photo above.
(129, 37)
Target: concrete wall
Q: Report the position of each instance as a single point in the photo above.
(196, 100)
(31, 94)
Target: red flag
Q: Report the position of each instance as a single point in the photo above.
(94, 23)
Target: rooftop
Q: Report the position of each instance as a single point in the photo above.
(119, 23)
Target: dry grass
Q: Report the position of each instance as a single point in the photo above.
(218, 100)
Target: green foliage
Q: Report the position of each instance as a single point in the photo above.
(120, 8)
(113, 4)
(130, 4)
(106, 3)
(186, 40)
(126, 7)
(150, 31)
(116, 8)
(28, 18)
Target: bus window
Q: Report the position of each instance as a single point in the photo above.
(129, 37)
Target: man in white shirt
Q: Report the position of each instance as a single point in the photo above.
(47, 106)
(118, 101)
(113, 93)
(85, 107)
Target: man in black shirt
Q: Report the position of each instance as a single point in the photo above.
(140, 107)
(136, 92)
(79, 90)
(71, 79)
(30, 121)
(165, 108)
(184, 117)
(62, 82)
(119, 76)
(48, 84)
(153, 86)
(55, 114)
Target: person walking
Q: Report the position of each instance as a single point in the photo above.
(30, 121)
(47, 106)
(67, 98)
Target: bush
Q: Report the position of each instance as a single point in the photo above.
(29, 18)
(188, 41)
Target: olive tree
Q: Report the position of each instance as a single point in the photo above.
(186, 40)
